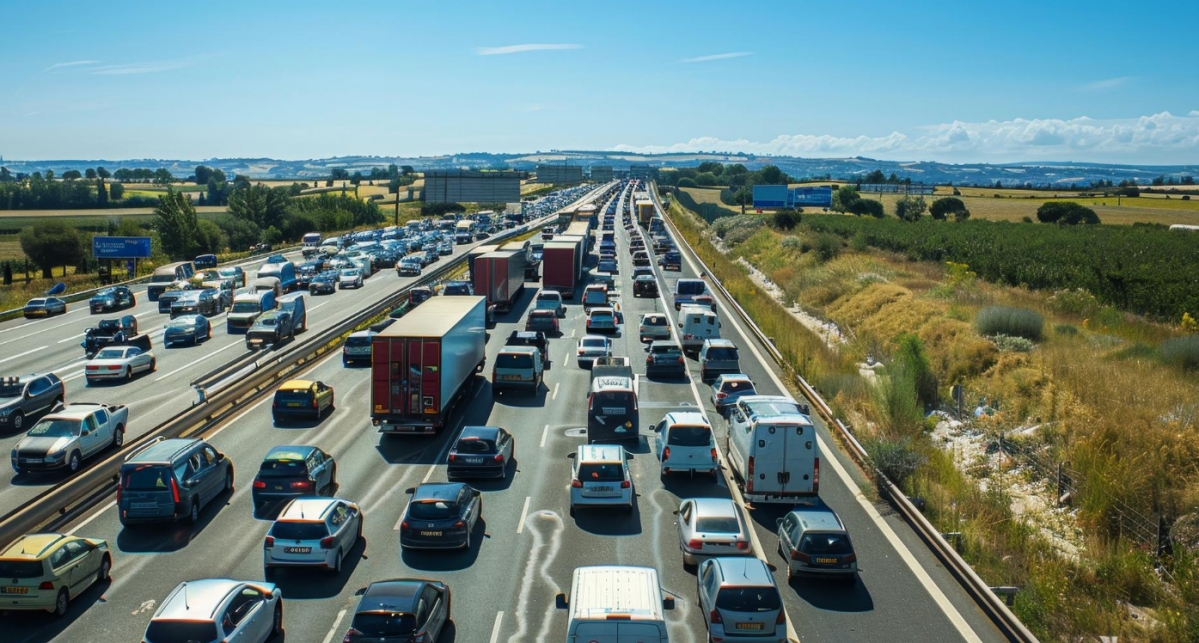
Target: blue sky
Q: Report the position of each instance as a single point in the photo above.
(948, 81)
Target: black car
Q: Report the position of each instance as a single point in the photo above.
(420, 294)
(323, 283)
(400, 611)
(25, 397)
(291, 472)
(109, 299)
(534, 338)
(107, 333)
(481, 452)
(672, 260)
(458, 288)
(645, 286)
(441, 515)
(665, 358)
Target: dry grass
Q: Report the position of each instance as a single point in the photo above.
(1010, 209)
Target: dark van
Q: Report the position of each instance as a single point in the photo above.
(168, 480)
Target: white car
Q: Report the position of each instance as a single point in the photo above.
(119, 362)
(349, 278)
(313, 532)
(653, 326)
(591, 347)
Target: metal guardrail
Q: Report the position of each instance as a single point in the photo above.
(987, 598)
(89, 487)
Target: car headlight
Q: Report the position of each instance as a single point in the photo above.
(57, 455)
(5, 412)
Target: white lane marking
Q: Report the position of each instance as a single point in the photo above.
(537, 572)
(317, 306)
(68, 365)
(72, 378)
(935, 592)
(36, 332)
(555, 395)
(636, 384)
(333, 630)
(72, 337)
(545, 433)
(97, 513)
(495, 629)
(567, 360)
(194, 362)
(520, 529)
(29, 352)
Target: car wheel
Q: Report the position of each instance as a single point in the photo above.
(60, 603)
(118, 438)
(105, 572)
(129, 374)
(332, 480)
(153, 364)
(277, 621)
(18, 420)
(74, 462)
(57, 405)
(335, 570)
(229, 480)
(194, 516)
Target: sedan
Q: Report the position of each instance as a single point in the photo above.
(481, 452)
(542, 320)
(324, 283)
(593, 346)
(711, 527)
(48, 570)
(119, 362)
(400, 610)
(665, 358)
(188, 329)
(44, 307)
(609, 265)
(110, 299)
(729, 388)
(441, 515)
(349, 278)
(293, 471)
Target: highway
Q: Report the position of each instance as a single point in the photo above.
(504, 586)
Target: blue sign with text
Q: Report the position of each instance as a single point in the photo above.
(121, 247)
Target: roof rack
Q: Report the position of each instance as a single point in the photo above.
(142, 447)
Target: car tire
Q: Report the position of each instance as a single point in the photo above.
(335, 570)
(128, 373)
(193, 517)
(153, 364)
(277, 620)
(332, 480)
(105, 572)
(18, 421)
(228, 480)
(61, 602)
(74, 462)
(118, 437)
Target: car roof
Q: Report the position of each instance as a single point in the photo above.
(601, 453)
(721, 342)
(284, 452)
(818, 518)
(397, 595)
(663, 342)
(197, 599)
(78, 413)
(687, 417)
(162, 451)
(296, 385)
(715, 507)
(308, 509)
(33, 546)
(526, 350)
(743, 570)
(432, 491)
(184, 318)
(479, 432)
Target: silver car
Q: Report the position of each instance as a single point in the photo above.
(653, 326)
(350, 278)
(119, 362)
(313, 532)
(711, 527)
(218, 609)
(740, 601)
(591, 347)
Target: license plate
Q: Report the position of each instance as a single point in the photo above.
(827, 561)
(15, 590)
(278, 487)
(144, 505)
(613, 410)
(749, 626)
(601, 489)
(510, 377)
(297, 550)
(474, 460)
(431, 534)
(34, 460)
(294, 405)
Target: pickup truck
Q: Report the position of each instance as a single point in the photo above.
(108, 332)
(63, 439)
(271, 328)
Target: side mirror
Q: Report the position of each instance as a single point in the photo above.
(410, 490)
(220, 456)
(560, 601)
(668, 603)
(572, 456)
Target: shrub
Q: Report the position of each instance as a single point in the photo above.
(1009, 344)
(272, 235)
(827, 247)
(1065, 329)
(1182, 352)
(1074, 301)
(910, 208)
(790, 242)
(725, 225)
(897, 458)
(1007, 320)
(943, 208)
(1066, 213)
(785, 220)
(911, 357)
(688, 182)
(860, 241)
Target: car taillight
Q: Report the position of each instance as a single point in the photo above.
(680, 359)
(92, 368)
(666, 454)
(269, 542)
(114, 367)
(258, 484)
(800, 556)
(713, 453)
(174, 490)
(816, 476)
(46, 585)
(350, 634)
(499, 458)
(625, 484)
(782, 618)
(852, 558)
(453, 457)
(714, 617)
(301, 484)
(721, 396)
(327, 543)
(314, 401)
(404, 525)
(743, 545)
(749, 477)
(695, 543)
(688, 336)
(459, 525)
(119, 487)
(649, 359)
(576, 483)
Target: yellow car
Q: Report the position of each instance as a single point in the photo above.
(302, 399)
(45, 571)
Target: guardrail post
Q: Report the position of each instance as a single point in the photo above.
(954, 537)
(1008, 593)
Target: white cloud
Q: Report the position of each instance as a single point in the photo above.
(704, 59)
(518, 49)
(139, 68)
(73, 63)
(1106, 84)
(1158, 136)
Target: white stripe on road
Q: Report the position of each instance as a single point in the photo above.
(97, 513)
(545, 433)
(555, 395)
(520, 526)
(495, 629)
(333, 630)
(194, 362)
(29, 352)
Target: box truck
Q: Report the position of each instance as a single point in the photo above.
(425, 363)
(500, 277)
(561, 266)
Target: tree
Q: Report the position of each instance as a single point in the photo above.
(772, 175)
(712, 167)
(943, 208)
(241, 181)
(1066, 213)
(101, 194)
(340, 174)
(910, 208)
(218, 191)
(177, 225)
(687, 182)
(116, 191)
(203, 173)
(743, 197)
(263, 206)
(844, 198)
(102, 173)
(785, 219)
(868, 207)
(163, 176)
(90, 173)
(210, 237)
(51, 243)
(406, 170)
(706, 179)
(71, 175)
(356, 178)
(6, 175)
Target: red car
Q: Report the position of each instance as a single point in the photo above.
(542, 320)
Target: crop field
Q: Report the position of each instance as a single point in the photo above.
(1129, 211)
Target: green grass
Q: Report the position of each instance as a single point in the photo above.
(1013, 322)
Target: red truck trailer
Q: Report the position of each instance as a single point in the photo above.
(425, 362)
(562, 265)
(474, 254)
(500, 277)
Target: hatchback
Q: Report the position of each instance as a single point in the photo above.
(48, 570)
(218, 609)
(312, 532)
(441, 515)
(400, 610)
(481, 452)
(740, 601)
(665, 358)
(292, 471)
(600, 478)
(595, 295)
(711, 527)
(728, 388)
(814, 542)
(301, 398)
(685, 443)
(653, 326)
(592, 346)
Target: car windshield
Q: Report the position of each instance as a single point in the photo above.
(826, 544)
(268, 321)
(288, 530)
(432, 509)
(690, 436)
(182, 323)
(382, 624)
(722, 353)
(245, 307)
(111, 353)
(514, 360)
(474, 445)
(717, 525)
(36, 302)
(228, 272)
(55, 428)
(283, 468)
(748, 599)
(601, 471)
(349, 273)
(180, 631)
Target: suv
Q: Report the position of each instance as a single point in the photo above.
(534, 338)
(815, 542)
(717, 357)
(517, 367)
(653, 326)
(739, 600)
(218, 609)
(26, 396)
(600, 478)
(665, 358)
(166, 480)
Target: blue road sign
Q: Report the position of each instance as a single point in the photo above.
(121, 247)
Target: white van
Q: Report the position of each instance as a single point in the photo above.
(697, 323)
(685, 443)
(616, 604)
(772, 449)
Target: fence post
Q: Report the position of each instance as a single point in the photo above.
(1164, 546)
(1060, 484)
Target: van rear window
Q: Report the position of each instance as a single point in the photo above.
(690, 436)
(722, 353)
(749, 599)
(514, 360)
(600, 472)
(690, 287)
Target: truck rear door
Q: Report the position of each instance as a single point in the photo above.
(769, 452)
(799, 473)
(424, 381)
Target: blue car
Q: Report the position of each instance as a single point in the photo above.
(114, 298)
(186, 329)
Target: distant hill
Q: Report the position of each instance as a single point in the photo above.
(1038, 174)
